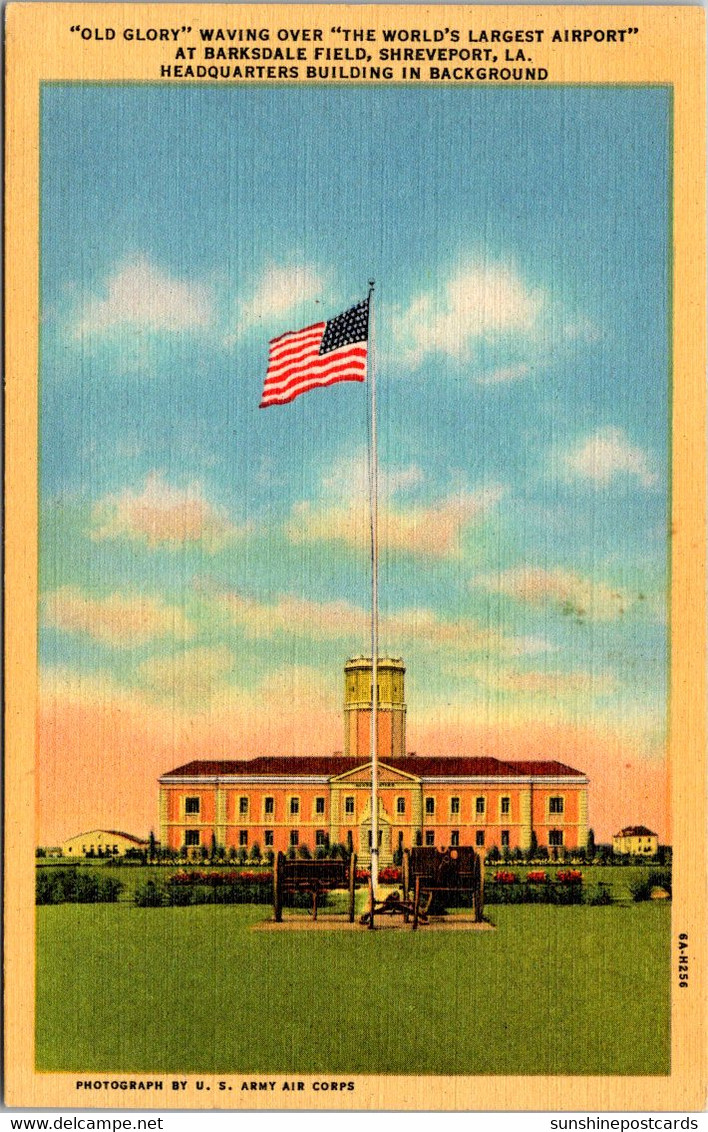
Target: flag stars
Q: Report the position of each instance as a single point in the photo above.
(347, 328)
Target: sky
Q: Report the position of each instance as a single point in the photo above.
(204, 563)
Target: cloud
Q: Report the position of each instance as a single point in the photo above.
(141, 297)
(192, 675)
(504, 375)
(606, 454)
(434, 530)
(120, 620)
(563, 590)
(340, 620)
(281, 291)
(293, 616)
(348, 479)
(482, 302)
(163, 515)
(552, 684)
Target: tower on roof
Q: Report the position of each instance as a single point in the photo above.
(391, 722)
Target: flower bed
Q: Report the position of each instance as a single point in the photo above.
(538, 888)
(389, 875)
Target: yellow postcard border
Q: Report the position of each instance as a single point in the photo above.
(39, 48)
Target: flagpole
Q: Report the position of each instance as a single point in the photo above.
(373, 498)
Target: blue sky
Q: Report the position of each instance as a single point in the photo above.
(194, 548)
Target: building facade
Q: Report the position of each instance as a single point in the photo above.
(280, 802)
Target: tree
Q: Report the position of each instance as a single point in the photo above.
(591, 844)
(256, 852)
(212, 853)
(152, 847)
(242, 855)
(494, 855)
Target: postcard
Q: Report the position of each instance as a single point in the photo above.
(355, 544)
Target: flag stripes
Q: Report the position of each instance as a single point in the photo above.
(317, 356)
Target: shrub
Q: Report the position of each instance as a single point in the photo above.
(75, 886)
(597, 894)
(150, 895)
(642, 889)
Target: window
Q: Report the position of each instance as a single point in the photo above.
(191, 836)
(349, 805)
(380, 836)
(320, 837)
(400, 805)
(506, 805)
(418, 837)
(430, 837)
(479, 837)
(269, 806)
(555, 805)
(555, 837)
(243, 805)
(505, 838)
(191, 805)
(430, 806)
(243, 837)
(455, 837)
(454, 805)
(294, 837)
(479, 805)
(294, 806)
(268, 838)
(319, 805)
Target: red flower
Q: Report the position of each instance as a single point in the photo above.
(503, 877)
(537, 877)
(569, 876)
(390, 875)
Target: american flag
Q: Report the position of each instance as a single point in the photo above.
(319, 355)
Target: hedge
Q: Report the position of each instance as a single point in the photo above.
(75, 886)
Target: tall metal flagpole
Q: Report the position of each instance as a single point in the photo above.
(373, 497)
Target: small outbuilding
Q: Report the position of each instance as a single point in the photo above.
(101, 843)
(637, 841)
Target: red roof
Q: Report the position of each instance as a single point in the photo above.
(636, 831)
(330, 766)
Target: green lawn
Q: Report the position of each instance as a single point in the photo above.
(554, 990)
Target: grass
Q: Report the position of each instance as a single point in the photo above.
(573, 990)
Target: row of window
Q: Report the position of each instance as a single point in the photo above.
(192, 837)
(556, 805)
